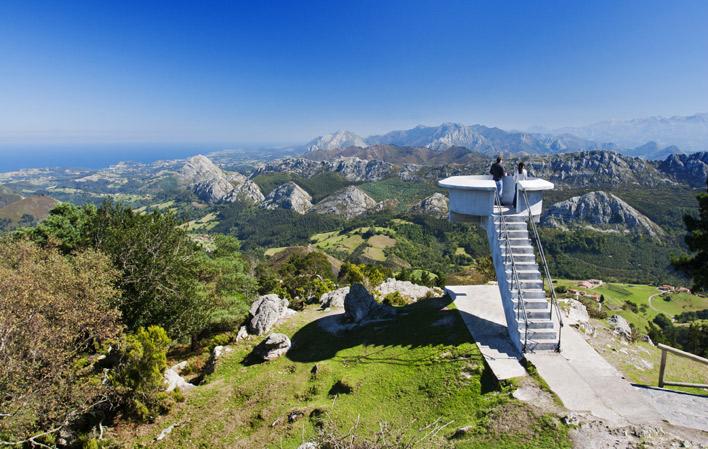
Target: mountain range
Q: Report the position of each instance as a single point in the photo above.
(650, 138)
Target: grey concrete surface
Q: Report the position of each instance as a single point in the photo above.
(481, 309)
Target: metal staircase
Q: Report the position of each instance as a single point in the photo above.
(521, 282)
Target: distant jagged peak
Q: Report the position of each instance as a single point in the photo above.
(601, 211)
(336, 140)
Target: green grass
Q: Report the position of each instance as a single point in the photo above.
(640, 362)
(345, 244)
(616, 294)
(419, 369)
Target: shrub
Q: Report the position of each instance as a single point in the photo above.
(55, 319)
(395, 299)
(561, 289)
(138, 379)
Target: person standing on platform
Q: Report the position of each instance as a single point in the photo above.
(497, 172)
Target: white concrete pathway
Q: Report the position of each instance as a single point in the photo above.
(582, 379)
(483, 314)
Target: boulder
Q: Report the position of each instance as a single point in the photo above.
(334, 298)
(265, 312)
(360, 305)
(577, 315)
(620, 326)
(272, 347)
(409, 289)
(173, 380)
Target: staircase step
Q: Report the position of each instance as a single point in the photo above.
(538, 334)
(531, 293)
(533, 304)
(541, 344)
(524, 275)
(526, 284)
(540, 323)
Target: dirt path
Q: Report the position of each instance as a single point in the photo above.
(651, 306)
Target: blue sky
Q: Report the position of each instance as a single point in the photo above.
(283, 72)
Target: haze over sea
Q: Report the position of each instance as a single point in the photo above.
(18, 156)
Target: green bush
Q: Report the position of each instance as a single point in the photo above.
(395, 299)
(138, 378)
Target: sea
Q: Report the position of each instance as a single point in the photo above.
(93, 156)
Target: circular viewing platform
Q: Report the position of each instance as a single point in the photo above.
(473, 196)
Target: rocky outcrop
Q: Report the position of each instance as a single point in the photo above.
(211, 184)
(620, 326)
(348, 203)
(334, 298)
(596, 168)
(174, 380)
(272, 347)
(435, 205)
(265, 312)
(408, 289)
(600, 210)
(350, 168)
(360, 306)
(288, 196)
(691, 169)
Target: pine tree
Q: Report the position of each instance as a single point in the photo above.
(696, 264)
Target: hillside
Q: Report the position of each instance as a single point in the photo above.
(600, 211)
(26, 211)
(417, 378)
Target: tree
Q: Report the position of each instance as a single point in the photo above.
(56, 318)
(696, 265)
(166, 278)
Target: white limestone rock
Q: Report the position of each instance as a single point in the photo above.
(265, 312)
(407, 288)
(288, 196)
(435, 205)
(334, 298)
(174, 380)
(274, 346)
(600, 210)
(350, 202)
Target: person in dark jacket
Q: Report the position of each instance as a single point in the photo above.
(497, 172)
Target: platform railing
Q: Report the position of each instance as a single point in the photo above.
(509, 257)
(545, 270)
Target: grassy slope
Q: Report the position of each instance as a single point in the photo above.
(640, 361)
(407, 193)
(616, 294)
(416, 370)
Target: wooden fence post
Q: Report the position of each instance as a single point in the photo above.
(662, 368)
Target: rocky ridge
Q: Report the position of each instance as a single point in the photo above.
(350, 168)
(689, 168)
(600, 210)
(211, 184)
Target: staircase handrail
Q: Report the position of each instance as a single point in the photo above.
(544, 264)
(515, 276)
